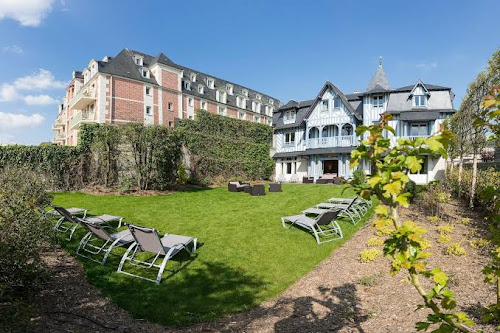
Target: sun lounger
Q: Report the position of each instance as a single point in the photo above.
(98, 233)
(148, 240)
(317, 225)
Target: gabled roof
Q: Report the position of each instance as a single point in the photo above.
(421, 84)
(378, 89)
(343, 98)
(429, 87)
(379, 78)
(123, 65)
(301, 108)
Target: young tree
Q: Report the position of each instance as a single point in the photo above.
(405, 243)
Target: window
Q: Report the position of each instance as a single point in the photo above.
(336, 103)
(245, 92)
(290, 139)
(201, 90)
(289, 117)
(192, 77)
(170, 124)
(148, 110)
(324, 105)
(420, 100)
(145, 73)
(203, 105)
(148, 91)
(190, 102)
(220, 96)
(210, 83)
(187, 85)
(241, 102)
(378, 101)
(221, 110)
(258, 96)
(289, 168)
(257, 119)
(271, 102)
(229, 88)
(170, 106)
(138, 60)
(256, 106)
(242, 115)
(419, 129)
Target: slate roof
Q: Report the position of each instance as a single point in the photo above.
(429, 87)
(124, 65)
(379, 79)
(301, 108)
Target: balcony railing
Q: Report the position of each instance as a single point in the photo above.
(80, 117)
(413, 137)
(333, 141)
(57, 124)
(83, 98)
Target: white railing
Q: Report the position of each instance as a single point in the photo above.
(328, 121)
(333, 141)
(87, 93)
(413, 137)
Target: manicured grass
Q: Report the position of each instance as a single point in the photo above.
(246, 257)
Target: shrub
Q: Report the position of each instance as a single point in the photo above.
(23, 232)
(425, 244)
(444, 239)
(443, 197)
(445, 229)
(479, 243)
(369, 255)
(375, 241)
(464, 221)
(370, 280)
(411, 187)
(358, 177)
(434, 219)
(455, 249)
(487, 156)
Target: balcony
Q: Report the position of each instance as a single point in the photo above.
(58, 124)
(83, 98)
(333, 141)
(81, 117)
(59, 138)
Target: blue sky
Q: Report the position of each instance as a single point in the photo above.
(286, 49)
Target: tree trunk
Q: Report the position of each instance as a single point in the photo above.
(460, 168)
(474, 180)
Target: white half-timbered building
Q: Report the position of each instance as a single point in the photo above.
(314, 138)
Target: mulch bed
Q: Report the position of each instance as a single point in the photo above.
(340, 295)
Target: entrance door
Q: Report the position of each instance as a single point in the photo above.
(331, 166)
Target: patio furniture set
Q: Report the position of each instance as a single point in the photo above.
(137, 238)
(255, 190)
(321, 220)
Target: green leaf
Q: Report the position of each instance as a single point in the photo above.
(403, 200)
(439, 276)
(422, 326)
(413, 163)
(393, 188)
(382, 210)
(373, 181)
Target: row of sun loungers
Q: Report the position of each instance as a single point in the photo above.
(321, 220)
(100, 239)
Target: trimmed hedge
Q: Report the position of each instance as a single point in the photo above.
(150, 157)
(221, 148)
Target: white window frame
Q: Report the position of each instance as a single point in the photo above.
(201, 89)
(145, 73)
(148, 109)
(190, 102)
(378, 101)
(242, 115)
(419, 125)
(229, 89)
(337, 99)
(138, 60)
(245, 92)
(148, 91)
(221, 110)
(422, 101)
(187, 85)
(192, 77)
(210, 83)
(325, 105)
(289, 139)
(257, 96)
(203, 105)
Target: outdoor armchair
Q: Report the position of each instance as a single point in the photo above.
(148, 240)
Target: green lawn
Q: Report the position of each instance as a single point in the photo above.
(245, 255)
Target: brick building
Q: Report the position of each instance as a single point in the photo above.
(136, 87)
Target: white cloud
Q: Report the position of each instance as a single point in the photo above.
(13, 49)
(40, 100)
(43, 80)
(427, 65)
(27, 12)
(8, 93)
(6, 138)
(10, 121)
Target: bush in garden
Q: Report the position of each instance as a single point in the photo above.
(455, 249)
(369, 255)
(358, 177)
(23, 232)
(411, 187)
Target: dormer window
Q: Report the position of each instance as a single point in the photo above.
(210, 83)
(257, 96)
(256, 106)
(187, 85)
(289, 117)
(419, 100)
(220, 96)
(192, 77)
(229, 89)
(138, 60)
(245, 92)
(324, 105)
(271, 102)
(241, 102)
(378, 101)
(145, 73)
(201, 90)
